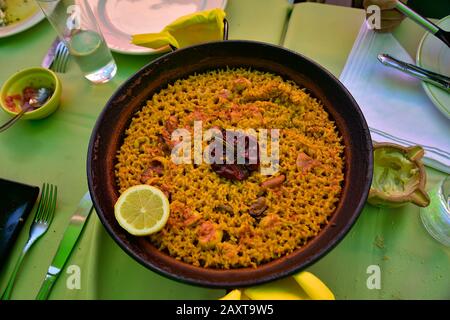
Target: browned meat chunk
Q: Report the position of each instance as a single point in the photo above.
(269, 221)
(305, 162)
(225, 95)
(182, 216)
(155, 169)
(241, 84)
(208, 234)
(230, 250)
(274, 182)
(171, 124)
(258, 207)
(190, 218)
(250, 155)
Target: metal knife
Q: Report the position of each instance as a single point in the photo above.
(50, 56)
(434, 78)
(66, 245)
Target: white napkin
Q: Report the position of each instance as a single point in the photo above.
(395, 104)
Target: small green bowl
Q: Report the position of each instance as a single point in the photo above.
(37, 78)
(399, 176)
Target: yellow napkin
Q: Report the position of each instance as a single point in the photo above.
(185, 31)
(301, 286)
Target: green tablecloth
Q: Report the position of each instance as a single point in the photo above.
(53, 150)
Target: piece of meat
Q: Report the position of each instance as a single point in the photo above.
(258, 207)
(190, 218)
(196, 115)
(146, 175)
(241, 84)
(166, 189)
(165, 141)
(246, 235)
(182, 216)
(231, 171)
(230, 250)
(269, 221)
(273, 182)
(155, 169)
(209, 234)
(235, 113)
(224, 95)
(171, 124)
(165, 136)
(235, 171)
(305, 162)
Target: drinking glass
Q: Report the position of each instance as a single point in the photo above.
(76, 25)
(436, 217)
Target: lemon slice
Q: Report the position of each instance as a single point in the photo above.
(142, 210)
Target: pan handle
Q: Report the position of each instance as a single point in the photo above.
(225, 34)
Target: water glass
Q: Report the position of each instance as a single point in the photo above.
(76, 25)
(436, 217)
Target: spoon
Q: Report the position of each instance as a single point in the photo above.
(42, 95)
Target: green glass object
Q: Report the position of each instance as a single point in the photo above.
(399, 176)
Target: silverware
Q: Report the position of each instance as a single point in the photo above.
(425, 23)
(41, 97)
(436, 79)
(42, 220)
(50, 56)
(61, 58)
(66, 245)
(57, 56)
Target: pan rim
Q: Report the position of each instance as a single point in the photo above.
(231, 283)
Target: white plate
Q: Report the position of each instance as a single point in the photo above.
(24, 24)
(434, 55)
(119, 19)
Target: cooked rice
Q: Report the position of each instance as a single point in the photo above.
(210, 224)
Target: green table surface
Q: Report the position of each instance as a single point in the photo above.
(412, 264)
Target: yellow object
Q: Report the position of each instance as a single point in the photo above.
(232, 295)
(185, 31)
(142, 210)
(313, 286)
(284, 289)
(301, 286)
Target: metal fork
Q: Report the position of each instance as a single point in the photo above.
(62, 56)
(42, 220)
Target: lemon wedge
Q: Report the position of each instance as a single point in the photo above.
(142, 210)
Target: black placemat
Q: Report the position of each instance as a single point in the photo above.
(16, 202)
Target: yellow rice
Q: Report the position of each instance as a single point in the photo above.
(297, 210)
